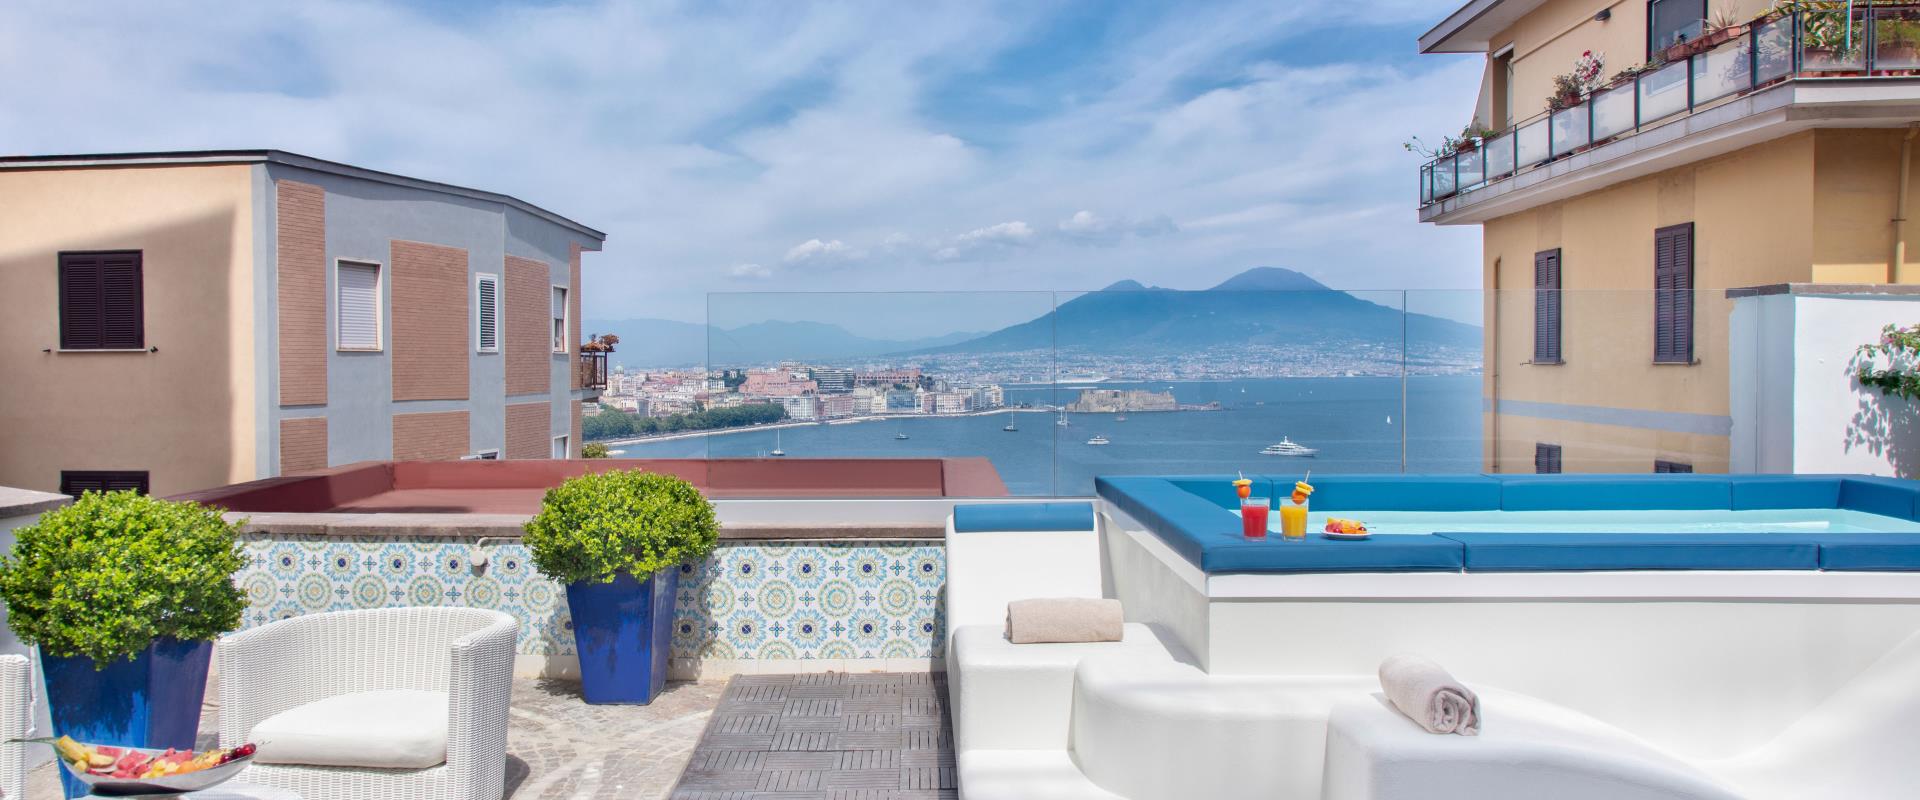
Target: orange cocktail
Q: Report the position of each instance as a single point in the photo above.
(1293, 520)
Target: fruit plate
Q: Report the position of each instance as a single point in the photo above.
(1347, 537)
(109, 786)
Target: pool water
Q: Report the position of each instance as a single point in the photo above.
(1792, 520)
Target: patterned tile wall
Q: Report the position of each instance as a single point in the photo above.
(758, 600)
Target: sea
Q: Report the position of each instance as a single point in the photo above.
(1358, 424)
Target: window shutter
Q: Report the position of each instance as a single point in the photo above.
(101, 306)
(359, 306)
(1546, 307)
(559, 319)
(489, 314)
(1671, 467)
(1546, 458)
(76, 482)
(1673, 294)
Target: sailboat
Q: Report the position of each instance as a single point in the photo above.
(1062, 422)
(777, 452)
(1010, 427)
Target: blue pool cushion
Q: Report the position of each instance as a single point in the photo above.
(1381, 552)
(1892, 497)
(1751, 492)
(1572, 552)
(1400, 492)
(1869, 551)
(979, 517)
(1182, 519)
(1615, 493)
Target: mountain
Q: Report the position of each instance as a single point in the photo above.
(1264, 305)
(666, 343)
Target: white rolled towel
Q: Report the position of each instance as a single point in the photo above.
(1064, 619)
(1428, 695)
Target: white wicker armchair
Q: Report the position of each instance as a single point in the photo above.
(16, 722)
(465, 652)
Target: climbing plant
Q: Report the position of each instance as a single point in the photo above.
(1899, 350)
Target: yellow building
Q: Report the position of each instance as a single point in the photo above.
(1718, 146)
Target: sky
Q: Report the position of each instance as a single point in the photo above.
(808, 147)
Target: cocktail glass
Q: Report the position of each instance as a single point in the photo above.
(1253, 517)
(1293, 521)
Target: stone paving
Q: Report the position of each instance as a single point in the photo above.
(831, 736)
(560, 748)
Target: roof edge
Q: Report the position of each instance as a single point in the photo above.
(291, 159)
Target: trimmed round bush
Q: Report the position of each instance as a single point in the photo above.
(107, 575)
(595, 527)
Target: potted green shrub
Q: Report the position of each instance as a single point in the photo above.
(123, 594)
(616, 539)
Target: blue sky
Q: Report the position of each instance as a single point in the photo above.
(776, 146)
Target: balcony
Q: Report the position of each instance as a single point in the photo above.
(1780, 75)
(593, 369)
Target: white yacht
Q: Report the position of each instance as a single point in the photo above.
(1286, 447)
(1098, 440)
(1010, 427)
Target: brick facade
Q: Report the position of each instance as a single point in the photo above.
(301, 263)
(432, 436)
(530, 430)
(303, 445)
(527, 337)
(429, 321)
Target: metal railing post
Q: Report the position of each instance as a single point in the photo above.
(1690, 79)
(1636, 103)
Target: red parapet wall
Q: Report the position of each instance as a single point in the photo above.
(516, 486)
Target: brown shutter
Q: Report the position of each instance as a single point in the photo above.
(75, 482)
(1546, 458)
(1546, 307)
(100, 301)
(1671, 467)
(1673, 294)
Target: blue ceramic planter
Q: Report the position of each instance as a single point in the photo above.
(623, 631)
(150, 701)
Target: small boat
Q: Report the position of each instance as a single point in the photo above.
(777, 452)
(901, 436)
(1010, 428)
(1062, 422)
(1287, 447)
(1120, 418)
(1098, 440)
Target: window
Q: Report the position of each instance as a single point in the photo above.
(101, 304)
(1503, 89)
(74, 482)
(484, 455)
(1673, 294)
(486, 300)
(1546, 307)
(1671, 21)
(559, 319)
(560, 446)
(1546, 459)
(358, 307)
(1671, 467)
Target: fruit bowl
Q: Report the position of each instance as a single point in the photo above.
(131, 771)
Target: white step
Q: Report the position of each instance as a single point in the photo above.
(1025, 775)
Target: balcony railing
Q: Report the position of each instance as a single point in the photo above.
(1875, 41)
(593, 369)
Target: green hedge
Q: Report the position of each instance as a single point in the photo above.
(594, 527)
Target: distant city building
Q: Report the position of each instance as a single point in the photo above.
(1102, 401)
(903, 400)
(804, 408)
(889, 377)
(832, 380)
(989, 396)
(837, 406)
(776, 383)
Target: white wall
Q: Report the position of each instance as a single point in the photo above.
(42, 724)
(1794, 404)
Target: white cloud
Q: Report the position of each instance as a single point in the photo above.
(818, 252)
(753, 271)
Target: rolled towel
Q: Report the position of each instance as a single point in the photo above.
(1064, 619)
(1430, 696)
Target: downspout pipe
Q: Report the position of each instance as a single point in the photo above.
(1898, 263)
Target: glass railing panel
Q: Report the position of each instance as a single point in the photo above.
(1612, 111)
(1774, 58)
(1608, 404)
(1531, 142)
(1426, 184)
(1441, 421)
(1722, 71)
(1663, 92)
(1499, 156)
(1896, 37)
(1444, 184)
(1832, 41)
(1569, 129)
(1472, 170)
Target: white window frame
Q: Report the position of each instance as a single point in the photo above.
(563, 443)
(565, 319)
(483, 455)
(499, 307)
(379, 305)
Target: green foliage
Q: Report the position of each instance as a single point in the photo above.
(612, 424)
(1901, 349)
(593, 450)
(595, 527)
(112, 572)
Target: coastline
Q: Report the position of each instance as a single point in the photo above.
(668, 437)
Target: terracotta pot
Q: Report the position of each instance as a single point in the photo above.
(1817, 57)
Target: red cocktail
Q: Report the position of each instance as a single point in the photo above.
(1253, 517)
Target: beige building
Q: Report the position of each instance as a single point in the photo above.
(1773, 150)
(178, 321)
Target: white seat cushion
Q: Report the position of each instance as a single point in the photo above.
(386, 729)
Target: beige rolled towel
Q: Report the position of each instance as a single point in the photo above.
(1430, 696)
(1064, 619)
